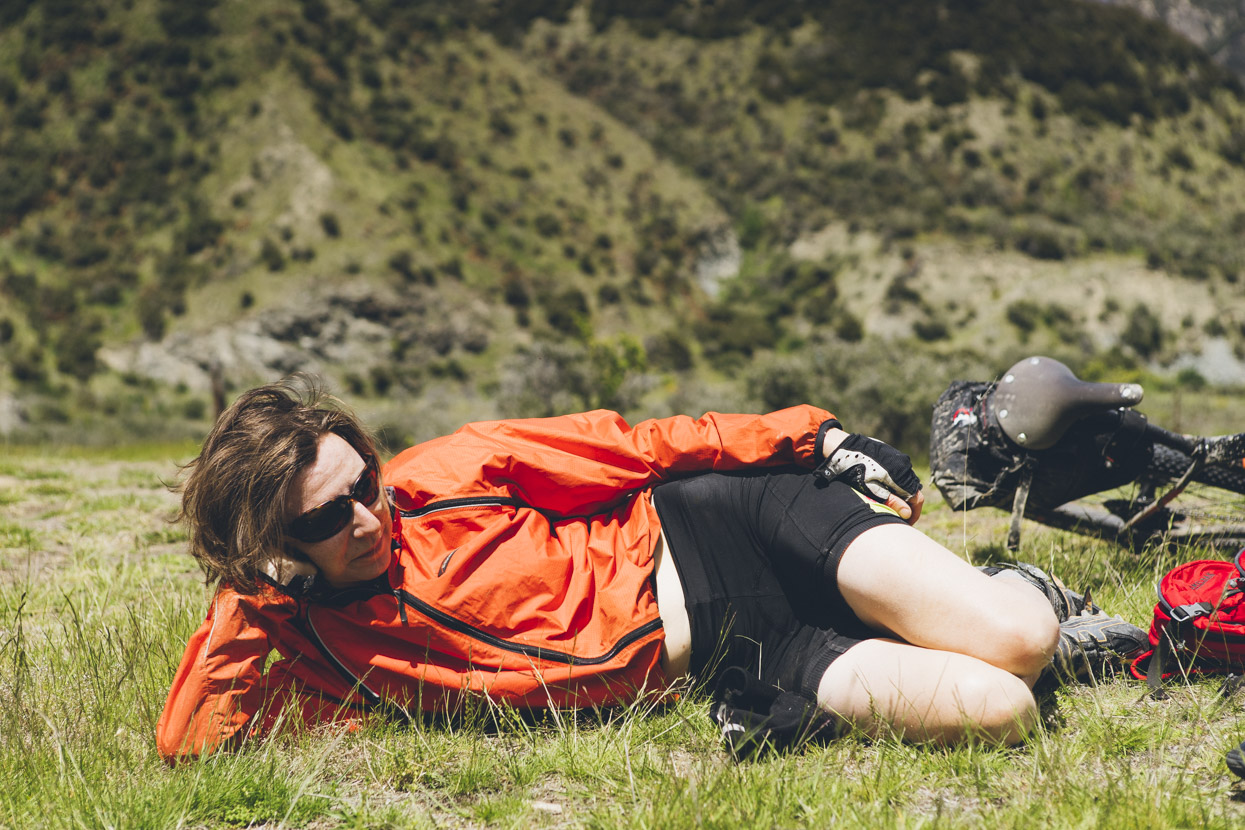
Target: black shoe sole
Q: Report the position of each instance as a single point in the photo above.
(1236, 761)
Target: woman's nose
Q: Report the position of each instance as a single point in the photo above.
(365, 521)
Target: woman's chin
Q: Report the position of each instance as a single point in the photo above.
(374, 563)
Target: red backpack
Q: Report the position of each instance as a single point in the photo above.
(1199, 622)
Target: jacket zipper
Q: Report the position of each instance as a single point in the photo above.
(535, 652)
(405, 598)
(356, 682)
(484, 501)
(471, 501)
(466, 629)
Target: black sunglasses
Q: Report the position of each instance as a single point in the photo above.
(319, 523)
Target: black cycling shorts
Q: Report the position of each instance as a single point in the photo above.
(758, 555)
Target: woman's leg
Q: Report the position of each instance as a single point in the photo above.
(887, 687)
(898, 580)
(970, 643)
(971, 649)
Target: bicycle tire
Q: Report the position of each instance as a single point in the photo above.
(1168, 531)
(1208, 513)
(1167, 464)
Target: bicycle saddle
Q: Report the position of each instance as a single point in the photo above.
(1039, 398)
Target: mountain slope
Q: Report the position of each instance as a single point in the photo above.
(465, 210)
(1217, 26)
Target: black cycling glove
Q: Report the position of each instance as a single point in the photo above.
(872, 467)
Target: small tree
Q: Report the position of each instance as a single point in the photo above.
(1143, 332)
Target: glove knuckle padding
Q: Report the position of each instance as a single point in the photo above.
(879, 467)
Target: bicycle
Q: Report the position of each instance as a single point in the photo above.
(1076, 455)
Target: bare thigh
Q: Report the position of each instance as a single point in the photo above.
(899, 581)
(883, 686)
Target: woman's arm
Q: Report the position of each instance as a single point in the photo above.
(222, 694)
(216, 690)
(573, 463)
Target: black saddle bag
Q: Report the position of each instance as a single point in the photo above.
(973, 464)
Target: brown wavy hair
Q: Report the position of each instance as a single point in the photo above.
(234, 493)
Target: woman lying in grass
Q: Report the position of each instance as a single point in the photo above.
(577, 561)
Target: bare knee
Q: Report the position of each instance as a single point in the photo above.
(899, 581)
(1023, 640)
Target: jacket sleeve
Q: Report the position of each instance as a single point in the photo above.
(573, 463)
(222, 694)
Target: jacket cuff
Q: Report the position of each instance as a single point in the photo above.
(826, 426)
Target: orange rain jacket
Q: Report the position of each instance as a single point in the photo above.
(523, 557)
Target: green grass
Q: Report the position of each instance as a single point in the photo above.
(94, 612)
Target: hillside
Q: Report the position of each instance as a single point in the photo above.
(1217, 26)
(467, 210)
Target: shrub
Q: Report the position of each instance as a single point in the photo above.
(56, 302)
(186, 20)
(900, 292)
(1190, 378)
(1143, 332)
(847, 327)
(567, 312)
(1233, 147)
(785, 382)
(453, 268)
(107, 291)
(1179, 157)
(270, 254)
(730, 332)
(752, 226)
(669, 350)
(548, 225)
(948, 89)
(554, 378)
(23, 185)
(1044, 240)
(402, 262)
(149, 306)
(892, 406)
(501, 125)
(76, 347)
(27, 365)
(382, 379)
(194, 409)
(200, 231)
(515, 293)
(930, 329)
(1024, 315)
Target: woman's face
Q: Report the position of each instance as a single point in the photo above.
(360, 551)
